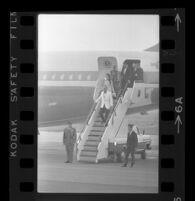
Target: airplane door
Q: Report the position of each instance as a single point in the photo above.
(106, 63)
(127, 72)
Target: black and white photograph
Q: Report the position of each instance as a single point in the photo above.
(98, 103)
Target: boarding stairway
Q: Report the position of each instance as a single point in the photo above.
(92, 144)
(90, 148)
(94, 137)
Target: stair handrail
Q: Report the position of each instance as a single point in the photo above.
(89, 116)
(122, 120)
(119, 127)
(136, 81)
(120, 97)
(80, 137)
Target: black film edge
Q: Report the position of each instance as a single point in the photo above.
(24, 108)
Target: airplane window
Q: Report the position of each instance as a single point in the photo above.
(62, 76)
(44, 76)
(79, 76)
(70, 77)
(53, 77)
(89, 77)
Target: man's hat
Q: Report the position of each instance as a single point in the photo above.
(69, 122)
(131, 125)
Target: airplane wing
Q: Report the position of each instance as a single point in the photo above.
(154, 48)
(62, 122)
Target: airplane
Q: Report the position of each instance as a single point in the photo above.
(66, 81)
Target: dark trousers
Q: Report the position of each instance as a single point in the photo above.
(104, 112)
(132, 152)
(69, 152)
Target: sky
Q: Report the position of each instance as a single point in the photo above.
(68, 32)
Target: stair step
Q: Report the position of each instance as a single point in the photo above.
(90, 156)
(90, 148)
(94, 138)
(98, 118)
(87, 159)
(98, 124)
(98, 128)
(97, 136)
(95, 143)
(94, 133)
(88, 153)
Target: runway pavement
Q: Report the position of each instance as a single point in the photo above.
(56, 176)
(98, 178)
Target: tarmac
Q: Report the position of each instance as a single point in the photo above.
(55, 176)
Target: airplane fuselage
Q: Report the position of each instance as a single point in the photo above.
(65, 92)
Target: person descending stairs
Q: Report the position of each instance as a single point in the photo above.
(99, 118)
(94, 138)
(90, 148)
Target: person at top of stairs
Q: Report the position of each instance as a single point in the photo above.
(116, 80)
(138, 71)
(106, 103)
(127, 75)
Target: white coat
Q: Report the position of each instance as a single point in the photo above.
(106, 99)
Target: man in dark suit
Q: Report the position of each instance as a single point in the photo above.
(127, 75)
(69, 140)
(116, 79)
(132, 142)
(138, 71)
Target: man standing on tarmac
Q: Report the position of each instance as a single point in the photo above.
(132, 142)
(69, 140)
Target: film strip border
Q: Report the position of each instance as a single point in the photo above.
(23, 107)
